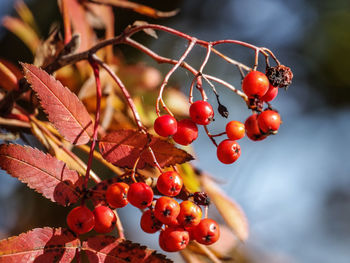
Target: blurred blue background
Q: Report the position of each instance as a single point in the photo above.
(295, 186)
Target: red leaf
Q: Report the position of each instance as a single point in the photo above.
(40, 245)
(97, 194)
(63, 107)
(42, 172)
(123, 147)
(113, 250)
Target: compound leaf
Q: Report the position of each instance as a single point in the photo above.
(42, 172)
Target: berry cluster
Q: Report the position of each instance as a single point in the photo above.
(177, 223)
(258, 126)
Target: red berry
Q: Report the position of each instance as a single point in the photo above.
(80, 220)
(169, 183)
(255, 84)
(165, 125)
(228, 151)
(140, 195)
(201, 112)
(187, 132)
(252, 128)
(270, 94)
(116, 195)
(206, 232)
(166, 210)
(235, 130)
(269, 121)
(149, 223)
(105, 219)
(173, 239)
(190, 214)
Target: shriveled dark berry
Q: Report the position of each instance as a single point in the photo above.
(279, 76)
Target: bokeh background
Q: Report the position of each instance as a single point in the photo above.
(294, 187)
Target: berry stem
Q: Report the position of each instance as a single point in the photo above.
(209, 135)
(119, 225)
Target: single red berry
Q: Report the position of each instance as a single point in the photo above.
(255, 84)
(166, 210)
(228, 151)
(169, 183)
(140, 195)
(270, 94)
(235, 130)
(252, 128)
(116, 195)
(207, 232)
(201, 112)
(105, 219)
(149, 223)
(269, 121)
(80, 220)
(187, 132)
(165, 125)
(173, 239)
(190, 214)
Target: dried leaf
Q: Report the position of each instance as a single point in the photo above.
(123, 147)
(141, 9)
(228, 208)
(148, 31)
(113, 250)
(42, 172)
(40, 245)
(63, 107)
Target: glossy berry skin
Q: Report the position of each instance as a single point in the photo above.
(270, 94)
(80, 220)
(201, 112)
(187, 132)
(269, 121)
(173, 239)
(165, 125)
(235, 130)
(252, 128)
(166, 210)
(116, 195)
(149, 223)
(206, 232)
(255, 84)
(105, 219)
(169, 183)
(190, 214)
(228, 151)
(140, 195)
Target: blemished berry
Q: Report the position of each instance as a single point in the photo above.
(269, 121)
(235, 130)
(270, 94)
(105, 219)
(140, 195)
(252, 128)
(190, 214)
(166, 210)
(173, 239)
(80, 220)
(169, 183)
(187, 132)
(206, 232)
(149, 223)
(279, 76)
(201, 112)
(165, 125)
(228, 151)
(255, 84)
(116, 195)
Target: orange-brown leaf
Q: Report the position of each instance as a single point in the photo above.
(113, 250)
(41, 172)
(8, 79)
(228, 208)
(40, 245)
(123, 147)
(63, 107)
